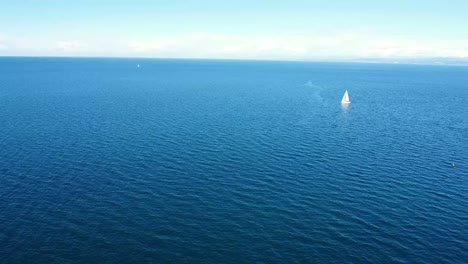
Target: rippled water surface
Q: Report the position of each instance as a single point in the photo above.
(192, 161)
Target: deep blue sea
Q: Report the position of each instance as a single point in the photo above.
(199, 161)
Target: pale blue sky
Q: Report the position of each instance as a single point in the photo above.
(244, 29)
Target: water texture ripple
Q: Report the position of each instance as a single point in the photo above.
(194, 161)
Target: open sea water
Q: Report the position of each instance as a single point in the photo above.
(199, 161)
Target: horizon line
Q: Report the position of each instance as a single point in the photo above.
(463, 61)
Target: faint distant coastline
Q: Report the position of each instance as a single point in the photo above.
(431, 61)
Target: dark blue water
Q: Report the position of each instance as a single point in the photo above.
(192, 161)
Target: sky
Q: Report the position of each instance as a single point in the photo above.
(241, 29)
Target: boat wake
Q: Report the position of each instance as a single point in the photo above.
(317, 91)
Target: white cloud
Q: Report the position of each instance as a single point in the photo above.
(69, 46)
(410, 48)
(231, 46)
(3, 45)
(344, 45)
(359, 44)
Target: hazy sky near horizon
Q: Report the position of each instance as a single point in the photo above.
(240, 29)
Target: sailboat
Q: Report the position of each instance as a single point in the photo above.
(345, 99)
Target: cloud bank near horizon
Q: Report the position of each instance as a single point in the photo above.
(346, 45)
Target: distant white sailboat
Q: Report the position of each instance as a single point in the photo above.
(345, 99)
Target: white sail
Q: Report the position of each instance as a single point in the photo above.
(345, 99)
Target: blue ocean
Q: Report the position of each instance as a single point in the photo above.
(217, 161)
